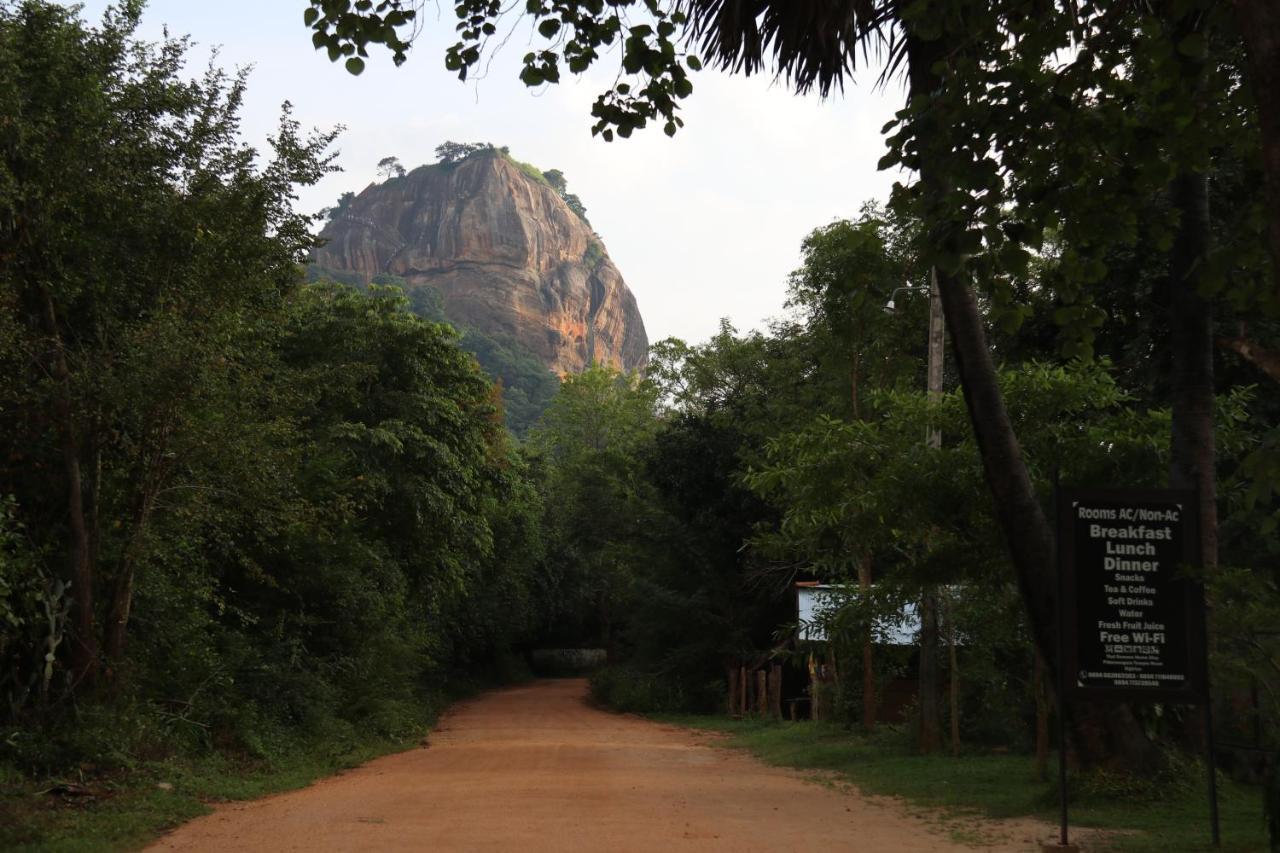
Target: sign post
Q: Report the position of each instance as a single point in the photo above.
(1133, 623)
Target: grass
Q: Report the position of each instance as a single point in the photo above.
(997, 786)
(126, 809)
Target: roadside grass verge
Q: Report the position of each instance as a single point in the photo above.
(125, 809)
(997, 785)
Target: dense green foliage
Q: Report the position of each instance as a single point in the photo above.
(449, 152)
(527, 386)
(556, 179)
(239, 512)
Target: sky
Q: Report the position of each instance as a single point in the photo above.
(704, 225)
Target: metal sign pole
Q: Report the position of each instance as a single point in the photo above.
(1211, 755)
(1211, 762)
(1062, 675)
(1062, 732)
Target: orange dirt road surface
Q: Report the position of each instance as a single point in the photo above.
(534, 769)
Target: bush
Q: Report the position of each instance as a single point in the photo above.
(1180, 777)
(630, 690)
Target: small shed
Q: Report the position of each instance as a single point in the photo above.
(813, 601)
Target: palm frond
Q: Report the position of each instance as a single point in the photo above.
(813, 44)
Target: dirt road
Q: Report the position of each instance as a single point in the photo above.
(535, 769)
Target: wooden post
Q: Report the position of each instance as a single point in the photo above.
(733, 691)
(955, 677)
(868, 662)
(1041, 689)
(927, 693)
(762, 692)
(815, 691)
(775, 691)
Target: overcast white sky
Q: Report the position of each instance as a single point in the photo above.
(702, 226)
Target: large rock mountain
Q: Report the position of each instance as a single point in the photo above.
(504, 251)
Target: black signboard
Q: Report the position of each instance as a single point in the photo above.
(1134, 623)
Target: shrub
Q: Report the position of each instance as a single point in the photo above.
(623, 688)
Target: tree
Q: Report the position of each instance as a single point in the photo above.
(178, 242)
(344, 201)
(449, 153)
(405, 428)
(236, 511)
(850, 271)
(389, 167)
(599, 508)
(702, 602)
(556, 179)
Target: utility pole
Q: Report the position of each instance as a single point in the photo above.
(937, 340)
(930, 704)
(937, 343)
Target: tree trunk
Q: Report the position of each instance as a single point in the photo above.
(733, 691)
(775, 691)
(1259, 25)
(868, 654)
(1192, 443)
(1193, 456)
(1101, 733)
(116, 629)
(929, 699)
(84, 641)
(1026, 529)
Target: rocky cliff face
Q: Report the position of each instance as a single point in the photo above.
(505, 252)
